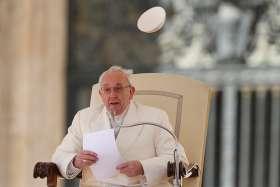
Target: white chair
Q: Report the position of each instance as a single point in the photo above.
(187, 103)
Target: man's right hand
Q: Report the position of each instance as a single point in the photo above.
(84, 158)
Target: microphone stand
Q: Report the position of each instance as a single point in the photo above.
(177, 182)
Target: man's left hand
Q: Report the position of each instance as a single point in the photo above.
(131, 168)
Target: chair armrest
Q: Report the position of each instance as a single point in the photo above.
(49, 170)
(45, 169)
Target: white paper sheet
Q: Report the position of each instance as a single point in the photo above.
(103, 143)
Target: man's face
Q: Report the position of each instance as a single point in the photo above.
(116, 92)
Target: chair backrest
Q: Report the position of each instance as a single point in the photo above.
(186, 101)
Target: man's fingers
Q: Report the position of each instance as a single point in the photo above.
(131, 168)
(89, 153)
(125, 168)
(87, 162)
(88, 157)
(85, 158)
(122, 165)
(128, 172)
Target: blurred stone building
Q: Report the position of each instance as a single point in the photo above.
(233, 46)
(51, 52)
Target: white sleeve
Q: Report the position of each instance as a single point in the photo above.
(69, 147)
(72, 171)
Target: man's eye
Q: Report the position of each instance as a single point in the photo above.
(107, 90)
(118, 89)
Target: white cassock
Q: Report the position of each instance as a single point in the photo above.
(151, 145)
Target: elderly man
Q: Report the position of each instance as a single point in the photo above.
(146, 149)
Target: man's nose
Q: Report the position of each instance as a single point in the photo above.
(113, 93)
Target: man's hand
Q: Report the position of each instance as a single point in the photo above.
(131, 168)
(84, 158)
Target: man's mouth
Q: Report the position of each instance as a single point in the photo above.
(114, 103)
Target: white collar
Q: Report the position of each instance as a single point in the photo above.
(117, 119)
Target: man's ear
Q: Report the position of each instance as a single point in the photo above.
(132, 91)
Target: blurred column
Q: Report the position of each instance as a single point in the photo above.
(274, 160)
(228, 137)
(245, 137)
(259, 165)
(209, 174)
(32, 49)
(5, 100)
(5, 120)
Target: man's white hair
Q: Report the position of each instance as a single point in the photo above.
(126, 72)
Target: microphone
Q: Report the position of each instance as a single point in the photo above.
(114, 124)
(178, 169)
(112, 112)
